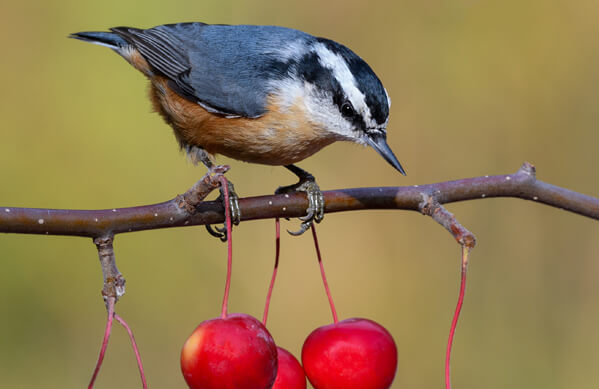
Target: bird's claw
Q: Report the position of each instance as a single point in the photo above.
(305, 226)
(315, 210)
(220, 233)
(233, 205)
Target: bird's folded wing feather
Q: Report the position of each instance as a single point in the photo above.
(226, 69)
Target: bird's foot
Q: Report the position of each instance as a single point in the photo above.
(233, 206)
(308, 185)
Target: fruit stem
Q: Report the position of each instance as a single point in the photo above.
(456, 315)
(135, 349)
(110, 301)
(324, 277)
(225, 185)
(274, 272)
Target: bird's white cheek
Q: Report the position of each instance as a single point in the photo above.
(324, 114)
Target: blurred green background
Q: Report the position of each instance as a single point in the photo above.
(478, 87)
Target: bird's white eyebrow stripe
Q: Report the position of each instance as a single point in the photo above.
(343, 74)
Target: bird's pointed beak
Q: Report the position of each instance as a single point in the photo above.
(379, 143)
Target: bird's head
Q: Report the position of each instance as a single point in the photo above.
(345, 97)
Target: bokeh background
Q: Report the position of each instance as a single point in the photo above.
(478, 87)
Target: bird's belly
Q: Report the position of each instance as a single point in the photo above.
(269, 146)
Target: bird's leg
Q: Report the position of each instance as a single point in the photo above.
(233, 205)
(307, 184)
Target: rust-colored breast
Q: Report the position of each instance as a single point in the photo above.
(282, 136)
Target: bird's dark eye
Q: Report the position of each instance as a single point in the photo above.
(347, 110)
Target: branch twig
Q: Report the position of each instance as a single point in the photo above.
(114, 282)
(178, 212)
(431, 207)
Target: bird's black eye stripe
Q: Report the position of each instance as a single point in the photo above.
(347, 110)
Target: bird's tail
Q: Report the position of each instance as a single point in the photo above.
(108, 39)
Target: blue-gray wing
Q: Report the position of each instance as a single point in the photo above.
(227, 69)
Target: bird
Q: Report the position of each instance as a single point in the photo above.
(260, 94)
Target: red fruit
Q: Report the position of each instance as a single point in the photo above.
(351, 354)
(236, 352)
(290, 374)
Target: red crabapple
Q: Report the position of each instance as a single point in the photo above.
(235, 352)
(290, 374)
(350, 354)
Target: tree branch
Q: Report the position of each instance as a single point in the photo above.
(188, 209)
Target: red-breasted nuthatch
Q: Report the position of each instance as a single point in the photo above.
(261, 94)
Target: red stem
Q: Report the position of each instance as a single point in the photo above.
(324, 277)
(135, 350)
(456, 315)
(225, 185)
(274, 272)
(110, 307)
